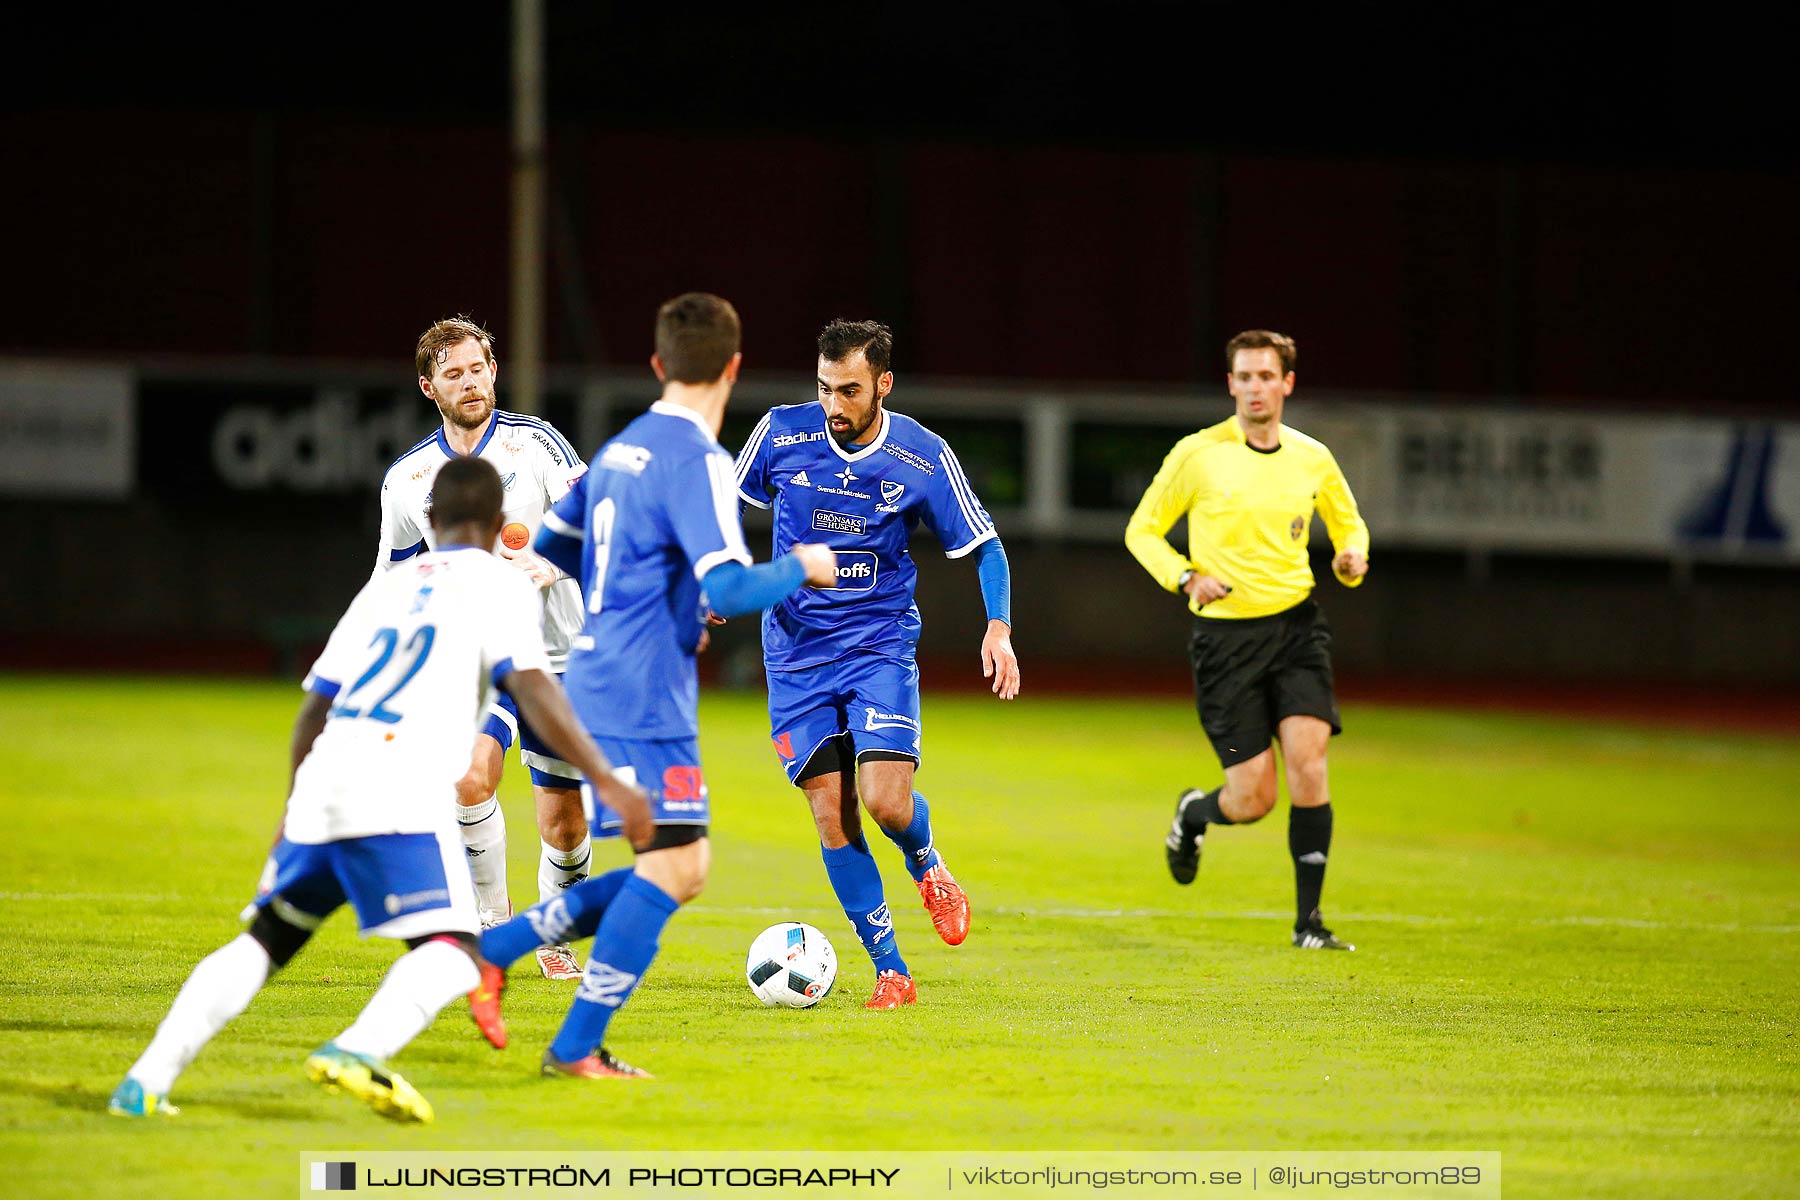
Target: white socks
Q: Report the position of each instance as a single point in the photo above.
(416, 988)
(560, 870)
(483, 829)
(220, 988)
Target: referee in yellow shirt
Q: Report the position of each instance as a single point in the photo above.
(1261, 650)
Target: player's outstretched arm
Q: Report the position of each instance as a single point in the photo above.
(542, 703)
(733, 589)
(998, 662)
(559, 544)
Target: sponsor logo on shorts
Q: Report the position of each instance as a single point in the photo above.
(397, 904)
(795, 439)
(876, 719)
(784, 745)
(683, 783)
(839, 522)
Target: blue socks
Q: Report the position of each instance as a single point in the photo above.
(857, 882)
(915, 840)
(624, 946)
(574, 914)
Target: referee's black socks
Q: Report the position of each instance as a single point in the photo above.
(1309, 841)
(1204, 810)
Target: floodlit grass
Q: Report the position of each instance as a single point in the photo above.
(1577, 944)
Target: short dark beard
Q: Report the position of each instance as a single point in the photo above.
(849, 439)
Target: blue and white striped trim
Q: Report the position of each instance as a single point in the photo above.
(498, 714)
(321, 686)
(976, 516)
(425, 441)
(731, 530)
(988, 536)
(526, 421)
(747, 459)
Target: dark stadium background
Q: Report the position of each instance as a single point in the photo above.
(1552, 209)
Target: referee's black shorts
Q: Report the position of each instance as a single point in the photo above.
(1250, 673)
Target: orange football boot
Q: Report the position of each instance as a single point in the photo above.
(484, 1005)
(892, 989)
(599, 1065)
(947, 903)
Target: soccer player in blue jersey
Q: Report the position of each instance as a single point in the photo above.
(653, 534)
(843, 683)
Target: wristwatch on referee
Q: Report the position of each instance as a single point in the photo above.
(1182, 581)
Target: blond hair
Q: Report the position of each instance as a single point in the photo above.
(451, 331)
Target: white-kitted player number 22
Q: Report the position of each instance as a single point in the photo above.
(418, 645)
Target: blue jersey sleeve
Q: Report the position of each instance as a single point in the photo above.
(733, 589)
(952, 511)
(753, 465)
(700, 498)
(996, 580)
(560, 537)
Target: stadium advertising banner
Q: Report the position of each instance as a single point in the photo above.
(1452, 477)
(1572, 483)
(214, 438)
(66, 430)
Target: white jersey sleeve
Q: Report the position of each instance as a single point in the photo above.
(400, 538)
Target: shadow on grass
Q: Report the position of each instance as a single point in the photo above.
(62, 1025)
(80, 1098)
(73, 1096)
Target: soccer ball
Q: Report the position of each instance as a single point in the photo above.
(791, 965)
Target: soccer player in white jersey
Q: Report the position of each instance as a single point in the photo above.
(377, 749)
(537, 465)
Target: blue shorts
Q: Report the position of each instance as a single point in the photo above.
(547, 770)
(875, 700)
(668, 769)
(402, 885)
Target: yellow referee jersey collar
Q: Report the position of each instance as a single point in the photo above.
(1238, 434)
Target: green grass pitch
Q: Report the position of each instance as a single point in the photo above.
(1578, 944)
